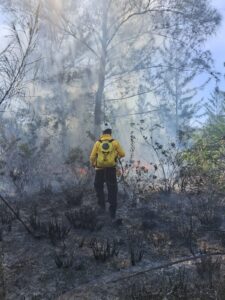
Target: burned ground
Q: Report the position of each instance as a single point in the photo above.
(78, 253)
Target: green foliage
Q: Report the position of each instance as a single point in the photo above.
(202, 156)
(216, 106)
(206, 158)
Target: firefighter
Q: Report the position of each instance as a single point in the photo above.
(103, 158)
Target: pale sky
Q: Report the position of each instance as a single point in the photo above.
(216, 44)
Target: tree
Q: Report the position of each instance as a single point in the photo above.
(118, 43)
(181, 59)
(18, 63)
(16, 59)
(215, 112)
(120, 39)
(178, 97)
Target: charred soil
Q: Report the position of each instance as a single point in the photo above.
(77, 252)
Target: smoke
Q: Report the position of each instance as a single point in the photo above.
(63, 97)
(56, 5)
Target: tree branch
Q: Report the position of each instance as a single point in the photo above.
(69, 31)
(139, 113)
(132, 96)
(17, 68)
(139, 14)
(165, 266)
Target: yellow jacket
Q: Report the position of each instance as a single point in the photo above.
(116, 145)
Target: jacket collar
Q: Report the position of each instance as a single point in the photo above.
(105, 137)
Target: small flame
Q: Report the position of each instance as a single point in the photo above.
(82, 171)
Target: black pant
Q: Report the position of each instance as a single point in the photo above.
(108, 176)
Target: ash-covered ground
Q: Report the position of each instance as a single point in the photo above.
(76, 252)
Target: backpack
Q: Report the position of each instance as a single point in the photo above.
(107, 155)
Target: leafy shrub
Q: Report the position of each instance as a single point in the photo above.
(204, 160)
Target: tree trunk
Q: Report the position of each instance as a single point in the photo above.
(99, 97)
(99, 113)
(176, 100)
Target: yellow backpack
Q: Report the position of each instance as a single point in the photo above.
(107, 155)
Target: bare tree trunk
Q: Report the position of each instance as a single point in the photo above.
(176, 101)
(177, 91)
(99, 113)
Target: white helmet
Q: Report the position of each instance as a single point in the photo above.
(106, 125)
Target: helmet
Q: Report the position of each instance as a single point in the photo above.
(105, 126)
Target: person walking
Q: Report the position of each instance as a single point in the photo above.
(104, 155)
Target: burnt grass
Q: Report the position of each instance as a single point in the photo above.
(76, 252)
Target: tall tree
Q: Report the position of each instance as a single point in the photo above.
(178, 94)
(215, 111)
(16, 59)
(121, 38)
(181, 59)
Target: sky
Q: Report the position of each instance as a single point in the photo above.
(216, 44)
